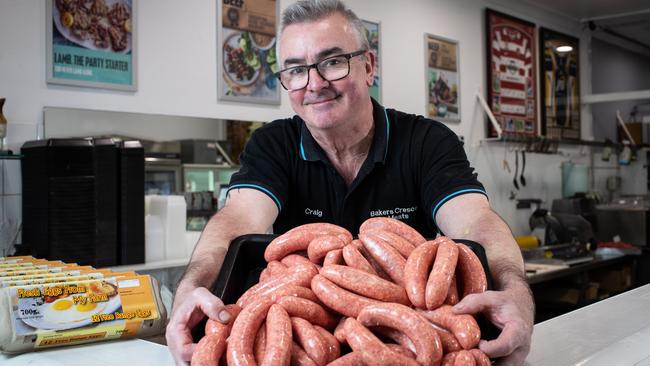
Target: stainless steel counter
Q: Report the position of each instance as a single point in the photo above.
(615, 331)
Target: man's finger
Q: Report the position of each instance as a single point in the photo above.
(186, 352)
(474, 303)
(208, 303)
(504, 345)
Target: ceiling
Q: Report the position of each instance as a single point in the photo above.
(626, 20)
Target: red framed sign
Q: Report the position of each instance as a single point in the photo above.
(512, 89)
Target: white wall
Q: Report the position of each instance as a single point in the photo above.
(177, 76)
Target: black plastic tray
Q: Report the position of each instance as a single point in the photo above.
(245, 261)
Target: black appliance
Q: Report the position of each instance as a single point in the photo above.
(83, 200)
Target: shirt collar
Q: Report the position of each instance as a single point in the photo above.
(309, 150)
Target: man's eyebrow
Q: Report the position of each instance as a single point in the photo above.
(321, 55)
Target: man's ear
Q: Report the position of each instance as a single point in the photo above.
(371, 67)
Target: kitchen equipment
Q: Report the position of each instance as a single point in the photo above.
(82, 200)
(629, 218)
(514, 180)
(163, 171)
(574, 178)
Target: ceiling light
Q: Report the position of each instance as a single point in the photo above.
(564, 49)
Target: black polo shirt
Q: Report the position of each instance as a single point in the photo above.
(414, 165)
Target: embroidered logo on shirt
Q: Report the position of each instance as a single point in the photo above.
(399, 213)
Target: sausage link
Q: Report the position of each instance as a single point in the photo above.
(365, 284)
(287, 243)
(388, 257)
(259, 346)
(403, 246)
(298, 275)
(462, 326)
(471, 271)
(370, 348)
(333, 257)
(331, 344)
(354, 358)
(413, 325)
(294, 259)
(265, 275)
(395, 226)
(215, 327)
(353, 258)
(340, 300)
(443, 270)
(299, 357)
(339, 331)
(320, 246)
(242, 335)
(279, 336)
(480, 358)
(449, 342)
(208, 351)
(324, 228)
(452, 296)
(459, 358)
(395, 336)
(308, 310)
(417, 269)
(310, 340)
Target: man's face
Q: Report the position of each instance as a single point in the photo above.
(326, 104)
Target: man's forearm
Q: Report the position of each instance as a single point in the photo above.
(503, 254)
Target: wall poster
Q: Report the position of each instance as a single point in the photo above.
(92, 43)
(442, 78)
(246, 59)
(559, 85)
(511, 74)
(373, 33)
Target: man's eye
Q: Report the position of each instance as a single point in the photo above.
(331, 62)
(297, 71)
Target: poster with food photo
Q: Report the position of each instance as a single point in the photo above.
(372, 33)
(246, 51)
(442, 78)
(512, 92)
(91, 43)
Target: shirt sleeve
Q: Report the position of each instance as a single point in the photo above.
(264, 165)
(446, 172)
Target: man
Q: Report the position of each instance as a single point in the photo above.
(343, 159)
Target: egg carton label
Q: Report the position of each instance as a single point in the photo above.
(80, 311)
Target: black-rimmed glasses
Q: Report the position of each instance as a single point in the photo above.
(331, 69)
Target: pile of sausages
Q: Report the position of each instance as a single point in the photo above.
(326, 299)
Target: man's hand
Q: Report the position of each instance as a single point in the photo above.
(511, 310)
(188, 312)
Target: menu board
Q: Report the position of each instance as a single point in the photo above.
(246, 51)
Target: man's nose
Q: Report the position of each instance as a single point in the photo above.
(316, 82)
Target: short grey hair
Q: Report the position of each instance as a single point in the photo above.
(311, 10)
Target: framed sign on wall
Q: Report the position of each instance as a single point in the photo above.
(373, 34)
(442, 77)
(511, 73)
(246, 58)
(559, 85)
(92, 46)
